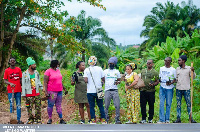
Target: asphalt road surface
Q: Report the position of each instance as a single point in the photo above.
(183, 127)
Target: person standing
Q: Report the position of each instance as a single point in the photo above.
(80, 93)
(112, 78)
(93, 76)
(53, 90)
(13, 77)
(30, 89)
(167, 77)
(147, 93)
(132, 94)
(183, 73)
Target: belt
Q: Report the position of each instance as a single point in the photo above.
(112, 89)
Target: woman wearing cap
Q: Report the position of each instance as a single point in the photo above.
(80, 93)
(53, 90)
(133, 94)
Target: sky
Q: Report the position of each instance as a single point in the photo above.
(123, 19)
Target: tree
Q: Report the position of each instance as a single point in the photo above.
(88, 30)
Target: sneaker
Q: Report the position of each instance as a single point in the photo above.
(49, 121)
(129, 122)
(160, 122)
(118, 122)
(39, 122)
(29, 122)
(82, 122)
(177, 121)
(93, 121)
(20, 122)
(103, 121)
(143, 121)
(150, 121)
(89, 121)
(62, 121)
(193, 121)
(167, 121)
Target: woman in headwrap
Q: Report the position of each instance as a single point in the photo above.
(80, 93)
(133, 94)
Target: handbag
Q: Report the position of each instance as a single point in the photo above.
(100, 92)
(139, 84)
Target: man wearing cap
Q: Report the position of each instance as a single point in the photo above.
(112, 78)
(93, 76)
(13, 77)
(183, 73)
(30, 89)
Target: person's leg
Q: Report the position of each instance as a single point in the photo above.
(10, 101)
(29, 106)
(169, 97)
(18, 104)
(58, 103)
(143, 103)
(151, 101)
(136, 105)
(51, 102)
(38, 108)
(107, 100)
(186, 94)
(162, 95)
(81, 110)
(116, 102)
(88, 110)
(91, 100)
(100, 105)
(129, 107)
(178, 98)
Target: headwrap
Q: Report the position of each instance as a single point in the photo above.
(113, 60)
(30, 61)
(183, 57)
(92, 61)
(132, 65)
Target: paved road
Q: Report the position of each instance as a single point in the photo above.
(184, 127)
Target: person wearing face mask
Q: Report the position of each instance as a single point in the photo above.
(30, 89)
(112, 78)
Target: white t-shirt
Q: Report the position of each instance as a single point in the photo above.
(97, 74)
(110, 77)
(165, 74)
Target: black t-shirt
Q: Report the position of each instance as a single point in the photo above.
(75, 75)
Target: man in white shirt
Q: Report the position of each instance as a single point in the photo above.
(167, 77)
(93, 76)
(112, 78)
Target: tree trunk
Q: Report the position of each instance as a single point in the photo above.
(5, 63)
(83, 51)
(1, 45)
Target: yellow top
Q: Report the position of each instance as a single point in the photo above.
(130, 78)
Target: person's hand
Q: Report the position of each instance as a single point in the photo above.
(12, 84)
(23, 97)
(151, 84)
(192, 69)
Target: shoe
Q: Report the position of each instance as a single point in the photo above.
(93, 121)
(167, 121)
(29, 122)
(129, 122)
(150, 121)
(118, 122)
(49, 121)
(82, 122)
(19, 122)
(143, 121)
(89, 121)
(177, 121)
(62, 121)
(193, 121)
(103, 121)
(39, 122)
(160, 122)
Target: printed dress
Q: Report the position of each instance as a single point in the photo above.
(133, 99)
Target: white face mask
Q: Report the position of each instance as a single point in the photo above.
(58, 68)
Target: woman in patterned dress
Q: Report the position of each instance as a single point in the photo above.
(133, 94)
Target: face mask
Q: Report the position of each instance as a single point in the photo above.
(57, 68)
(112, 66)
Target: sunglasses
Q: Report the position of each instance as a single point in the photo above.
(148, 63)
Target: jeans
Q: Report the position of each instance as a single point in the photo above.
(17, 97)
(168, 95)
(115, 97)
(91, 99)
(186, 94)
(144, 98)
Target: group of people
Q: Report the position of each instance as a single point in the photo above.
(89, 80)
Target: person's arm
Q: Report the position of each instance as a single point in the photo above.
(73, 78)
(46, 79)
(9, 83)
(194, 74)
(86, 79)
(136, 77)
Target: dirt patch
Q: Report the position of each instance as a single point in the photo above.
(68, 108)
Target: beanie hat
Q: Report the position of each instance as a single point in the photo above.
(30, 61)
(92, 61)
(113, 60)
(183, 57)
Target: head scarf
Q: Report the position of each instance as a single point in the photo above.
(132, 65)
(92, 61)
(30, 61)
(113, 60)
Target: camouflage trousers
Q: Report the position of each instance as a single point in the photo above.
(30, 102)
